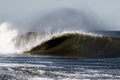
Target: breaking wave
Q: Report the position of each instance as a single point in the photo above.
(65, 43)
(79, 44)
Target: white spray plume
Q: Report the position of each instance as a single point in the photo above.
(7, 34)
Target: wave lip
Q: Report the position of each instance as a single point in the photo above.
(78, 44)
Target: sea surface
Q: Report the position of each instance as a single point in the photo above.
(29, 67)
(33, 67)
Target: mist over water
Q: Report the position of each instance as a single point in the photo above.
(67, 18)
(26, 13)
(64, 19)
(23, 37)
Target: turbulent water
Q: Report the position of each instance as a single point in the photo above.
(66, 55)
(26, 67)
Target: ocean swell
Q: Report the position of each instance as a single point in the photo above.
(79, 45)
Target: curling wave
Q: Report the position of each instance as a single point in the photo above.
(66, 43)
(78, 44)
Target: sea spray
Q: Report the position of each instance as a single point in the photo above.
(13, 41)
(7, 35)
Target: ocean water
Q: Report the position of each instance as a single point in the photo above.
(15, 64)
(29, 67)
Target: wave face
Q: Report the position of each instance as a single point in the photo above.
(77, 44)
(65, 43)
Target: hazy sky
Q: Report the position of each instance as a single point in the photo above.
(21, 10)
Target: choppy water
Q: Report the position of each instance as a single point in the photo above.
(26, 67)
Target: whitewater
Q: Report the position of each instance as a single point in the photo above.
(9, 39)
(18, 61)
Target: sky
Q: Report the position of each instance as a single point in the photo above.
(19, 11)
